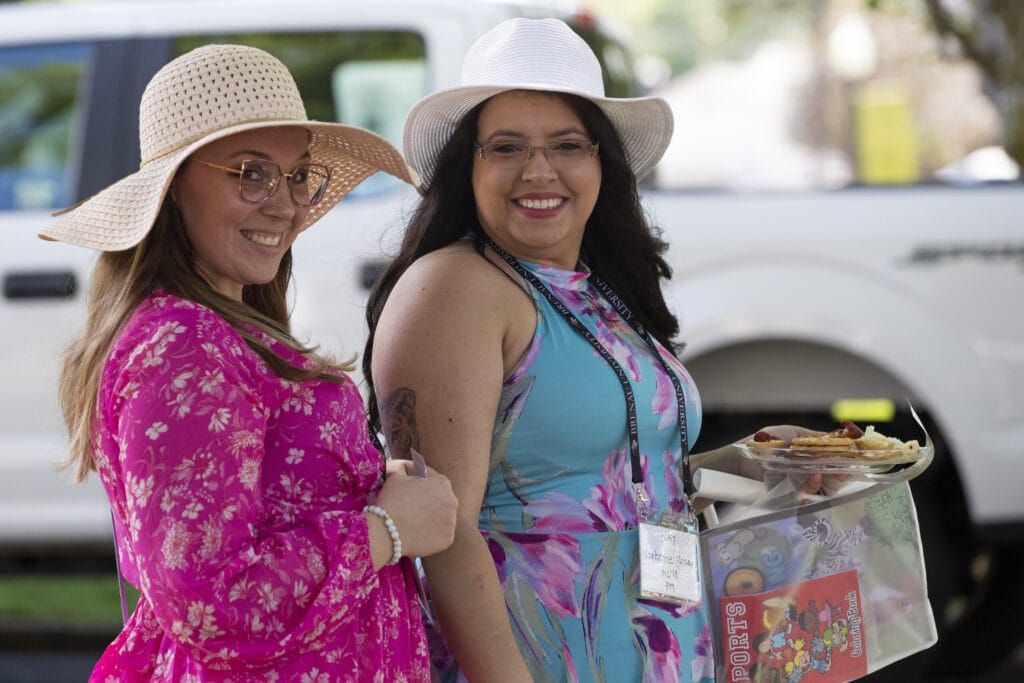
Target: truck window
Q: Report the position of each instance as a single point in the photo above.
(39, 123)
(364, 78)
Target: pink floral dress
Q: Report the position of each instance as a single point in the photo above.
(237, 501)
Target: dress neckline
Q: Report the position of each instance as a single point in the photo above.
(567, 280)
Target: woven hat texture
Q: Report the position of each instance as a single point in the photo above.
(534, 54)
(210, 93)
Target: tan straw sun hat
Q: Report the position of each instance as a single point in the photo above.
(534, 54)
(209, 93)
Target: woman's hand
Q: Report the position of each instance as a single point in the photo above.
(815, 483)
(422, 508)
(787, 432)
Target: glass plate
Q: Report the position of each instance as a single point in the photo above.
(803, 460)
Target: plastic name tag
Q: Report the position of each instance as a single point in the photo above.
(669, 565)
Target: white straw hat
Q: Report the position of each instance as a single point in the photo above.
(209, 93)
(534, 54)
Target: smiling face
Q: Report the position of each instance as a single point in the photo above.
(537, 212)
(238, 243)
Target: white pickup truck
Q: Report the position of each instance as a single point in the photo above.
(789, 301)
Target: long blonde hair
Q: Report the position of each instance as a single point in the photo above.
(121, 280)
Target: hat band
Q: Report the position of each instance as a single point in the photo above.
(188, 141)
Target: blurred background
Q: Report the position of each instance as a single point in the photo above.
(882, 138)
(787, 95)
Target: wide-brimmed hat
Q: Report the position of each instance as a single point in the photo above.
(210, 93)
(534, 54)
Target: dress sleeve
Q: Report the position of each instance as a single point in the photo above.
(185, 410)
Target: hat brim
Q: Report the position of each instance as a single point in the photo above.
(644, 124)
(121, 215)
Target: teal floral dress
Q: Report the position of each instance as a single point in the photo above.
(559, 513)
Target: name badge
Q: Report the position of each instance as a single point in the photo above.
(669, 565)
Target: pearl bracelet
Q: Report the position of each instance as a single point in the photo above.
(396, 542)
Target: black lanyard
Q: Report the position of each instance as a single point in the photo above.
(627, 390)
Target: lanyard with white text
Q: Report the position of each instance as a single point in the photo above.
(627, 390)
(624, 311)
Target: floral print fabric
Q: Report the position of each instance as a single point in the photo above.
(237, 500)
(559, 512)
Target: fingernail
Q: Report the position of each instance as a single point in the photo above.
(419, 465)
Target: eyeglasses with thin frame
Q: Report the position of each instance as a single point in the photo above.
(258, 180)
(512, 156)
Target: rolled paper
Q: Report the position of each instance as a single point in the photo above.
(710, 516)
(715, 485)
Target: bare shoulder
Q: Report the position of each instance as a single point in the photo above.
(456, 298)
(461, 278)
(457, 265)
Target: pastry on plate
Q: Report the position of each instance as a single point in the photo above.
(825, 444)
(873, 440)
(765, 440)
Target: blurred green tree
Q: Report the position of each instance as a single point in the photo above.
(685, 34)
(990, 33)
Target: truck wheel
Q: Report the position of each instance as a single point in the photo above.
(988, 631)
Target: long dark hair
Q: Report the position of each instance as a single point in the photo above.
(618, 243)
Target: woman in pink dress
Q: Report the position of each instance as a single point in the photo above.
(267, 536)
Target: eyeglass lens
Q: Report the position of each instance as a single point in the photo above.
(514, 155)
(306, 183)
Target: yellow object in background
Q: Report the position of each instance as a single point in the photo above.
(871, 410)
(885, 135)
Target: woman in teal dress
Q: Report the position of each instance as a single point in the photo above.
(521, 342)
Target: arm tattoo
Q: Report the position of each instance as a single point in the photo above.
(398, 417)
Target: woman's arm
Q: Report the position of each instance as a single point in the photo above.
(438, 365)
